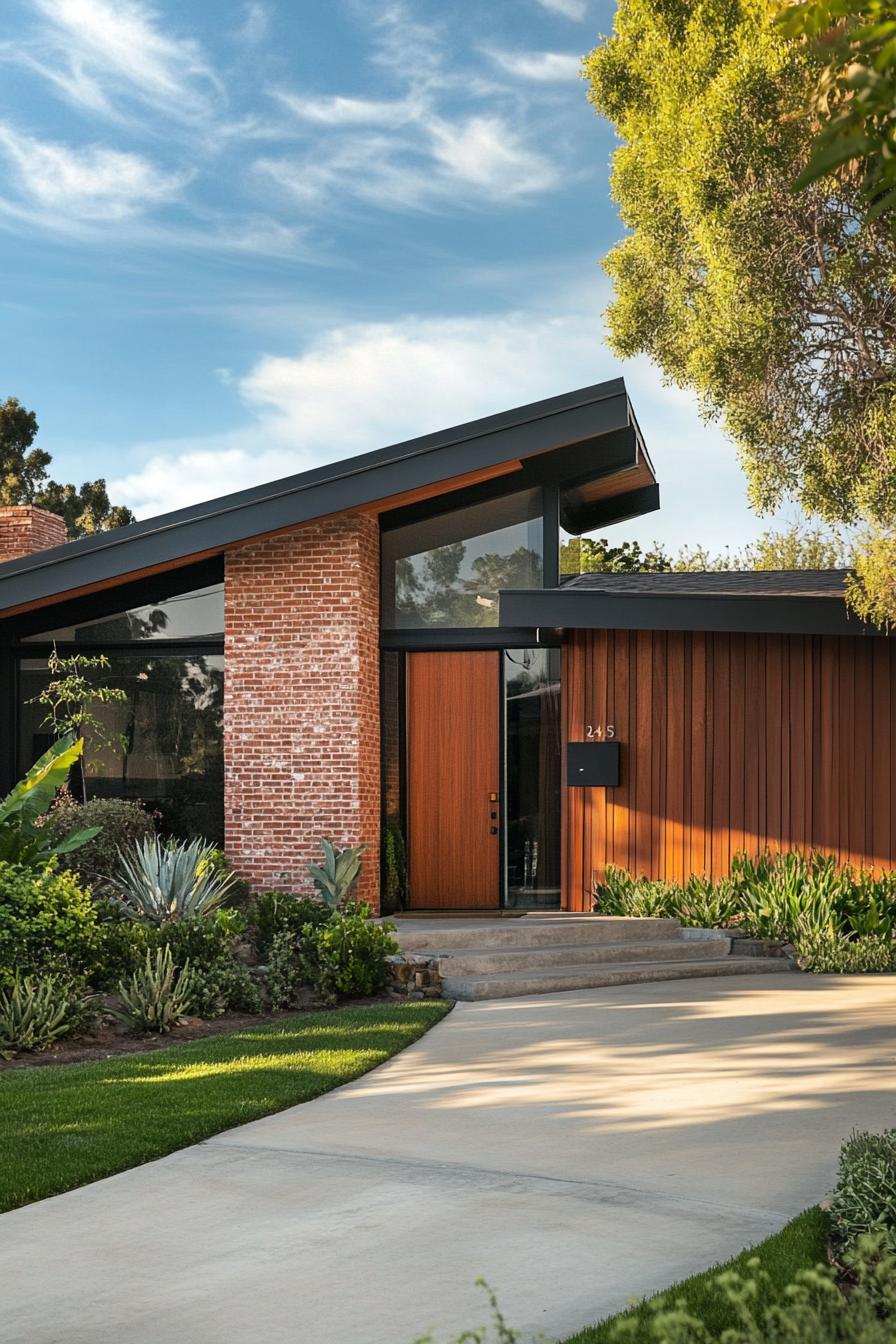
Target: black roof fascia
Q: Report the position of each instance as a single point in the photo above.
(583, 609)
(583, 517)
(522, 432)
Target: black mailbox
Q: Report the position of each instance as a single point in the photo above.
(592, 764)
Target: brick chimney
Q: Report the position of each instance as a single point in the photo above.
(25, 529)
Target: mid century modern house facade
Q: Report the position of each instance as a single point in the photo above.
(388, 642)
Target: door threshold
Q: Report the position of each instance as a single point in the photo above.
(459, 913)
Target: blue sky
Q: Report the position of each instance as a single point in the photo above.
(241, 238)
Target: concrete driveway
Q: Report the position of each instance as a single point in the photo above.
(574, 1150)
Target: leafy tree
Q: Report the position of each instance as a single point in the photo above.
(24, 480)
(856, 95)
(589, 555)
(776, 307)
(796, 547)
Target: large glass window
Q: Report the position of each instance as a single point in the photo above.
(447, 571)
(195, 615)
(532, 777)
(163, 745)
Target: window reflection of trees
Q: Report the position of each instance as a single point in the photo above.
(431, 589)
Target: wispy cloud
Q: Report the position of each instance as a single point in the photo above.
(105, 56)
(343, 111)
(447, 138)
(434, 164)
(570, 9)
(544, 67)
(484, 153)
(93, 183)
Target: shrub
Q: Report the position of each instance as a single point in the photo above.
(275, 912)
(702, 904)
(865, 1195)
(347, 955)
(813, 1309)
(35, 1011)
(47, 923)
(225, 985)
(122, 944)
(343, 955)
(208, 945)
(830, 952)
(778, 893)
(160, 881)
(122, 824)
(868, 903)
(634, 897)
(335, 877)
(286, 978)
(157, 994)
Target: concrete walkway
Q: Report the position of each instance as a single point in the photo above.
(573, 1149)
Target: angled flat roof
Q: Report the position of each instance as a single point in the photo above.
(789, 602)
(582, 437)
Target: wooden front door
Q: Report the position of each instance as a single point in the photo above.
(453, 772)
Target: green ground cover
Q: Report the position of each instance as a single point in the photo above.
(64, 1125)
(800, 1245)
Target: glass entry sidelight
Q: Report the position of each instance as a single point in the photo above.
(532, 778)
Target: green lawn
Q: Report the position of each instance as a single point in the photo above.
(64, 1125)
(799, 1245)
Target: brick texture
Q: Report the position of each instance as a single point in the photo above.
(25, 529)
(301, 701)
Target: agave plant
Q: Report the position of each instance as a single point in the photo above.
(157, 993)
(161, 881)
(23, 837)
(335, 877)
(35, 1011)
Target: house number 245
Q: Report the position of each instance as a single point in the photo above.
(600, 732)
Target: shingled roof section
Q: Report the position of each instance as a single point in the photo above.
(719, 583)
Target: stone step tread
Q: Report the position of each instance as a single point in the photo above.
(534, 933)
(511, 984)
(564, 954)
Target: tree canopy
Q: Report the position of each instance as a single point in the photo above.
(795, 547)
(776, 307)
(24, 480)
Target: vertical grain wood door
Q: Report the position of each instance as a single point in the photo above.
(453, 766)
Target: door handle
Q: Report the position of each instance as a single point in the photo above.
(493, 830)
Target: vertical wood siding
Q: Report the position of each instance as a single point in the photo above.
(730, 742)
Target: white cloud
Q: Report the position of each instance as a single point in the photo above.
(90, 184)
(339, 111)
(570, 9)
(100, 53)
(544, 67)
(431, 163)
(484, 153)
(364, 385)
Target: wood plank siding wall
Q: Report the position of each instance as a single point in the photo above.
(730, 742)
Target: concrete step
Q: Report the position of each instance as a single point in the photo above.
(420, 935)
(484, 961)
(515, 984)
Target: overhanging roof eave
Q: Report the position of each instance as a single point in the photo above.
(583, 609)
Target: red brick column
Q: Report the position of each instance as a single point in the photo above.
(301, 701)
(25, 529)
